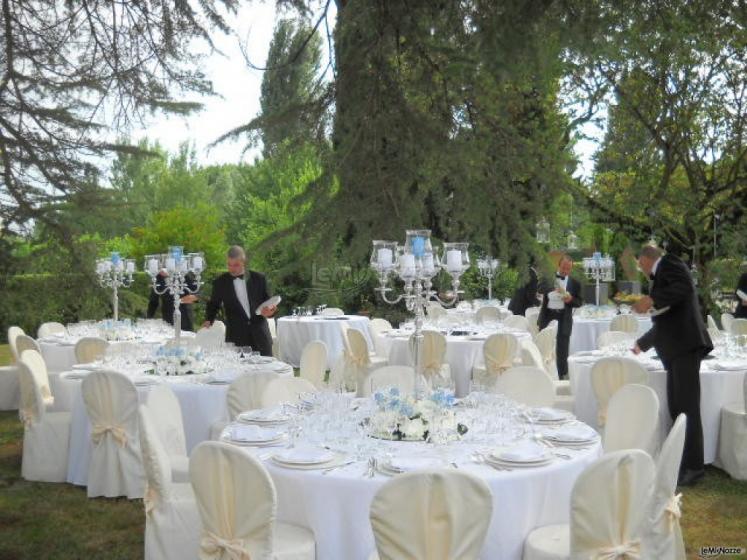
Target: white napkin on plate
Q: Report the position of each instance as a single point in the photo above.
(272, 413)
(574, 433)
(524, 452)
(305, 454)
(549, 414)
(253, 433)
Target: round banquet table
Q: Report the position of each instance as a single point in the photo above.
(586, 331)
(335, 505)
(294, 333)
(717, 387)
(462, 354)
(202, 404)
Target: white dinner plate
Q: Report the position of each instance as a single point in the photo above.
(274, 300)
(304, 456)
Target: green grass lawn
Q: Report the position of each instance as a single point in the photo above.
(58, 521)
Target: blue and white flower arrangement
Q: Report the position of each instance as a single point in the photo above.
(179, 360)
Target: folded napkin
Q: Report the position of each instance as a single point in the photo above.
(305, 454)
(406, 464)
(524, 452)
(253, 433)
(575, 433)
(546, 413)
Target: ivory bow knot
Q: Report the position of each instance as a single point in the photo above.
(602, 416)
(118, 433)
(150, 498)
(673, 511)
(493, 365)
(358, 361)
(432, 368)
(233, 549)
(28, 416)
(629, 550)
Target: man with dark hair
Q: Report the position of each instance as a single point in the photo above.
(741, 292)
(558, 303)
(166, 301)
(239, 293)
(525, 296)
(681, 340)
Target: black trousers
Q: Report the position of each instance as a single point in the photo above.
(683, 396)
(562, 343)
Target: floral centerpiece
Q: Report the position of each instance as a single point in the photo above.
(179, 360)
(116, 330)
(403, 418)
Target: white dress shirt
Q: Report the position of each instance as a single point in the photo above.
(555, 298)
(239, 286)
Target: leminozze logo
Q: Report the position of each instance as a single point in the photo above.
(714, 551)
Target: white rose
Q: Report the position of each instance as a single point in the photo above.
(414, 429)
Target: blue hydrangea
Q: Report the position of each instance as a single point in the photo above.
(394, 391)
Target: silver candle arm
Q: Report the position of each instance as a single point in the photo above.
(112, 276)
(177, 285)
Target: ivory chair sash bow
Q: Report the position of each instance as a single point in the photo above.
(237, 504)
(172, 523)
(608, 513)
(632, 419)
(46, 435)
(166, 412)
(528, 385)
(431, 515)
(89, 349)
(9, 388)
(499, 352)
(115, 467)
(433, 349)
(353, 367)
(608, 375)
(664, 535)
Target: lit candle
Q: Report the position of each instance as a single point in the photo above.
(107, 265)
(197, 263)
(384, 256)
(170, 264)
(407, 263)
(130, 266)
(153, 266)
(454, 260)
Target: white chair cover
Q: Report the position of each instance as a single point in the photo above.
(435, 370)
(608, 513)
(47, 329)
(532, 315)
(25, 342)
(245, 392)
(378, 328)
(172, 523)
(211, 338)
(546, 343)
(732, 440)
(285, 389)
(46, 435)
(664, 535)
(89, 349)
(431, 515)
(632, 418)
(314, 363)
(166, 412)
(10, 392)
(625, 323)
(517, 322)
(530, 354)
(378, 325)
(402, 377)
(726, 319)
(332, 312)
(487, 314)
(527, 385)
(13, 333)
(115, 468)
(610, 338)
(608, 375)
(237, 504)
(38, 368)
(712, 323)
(739, 327)
(715, 334)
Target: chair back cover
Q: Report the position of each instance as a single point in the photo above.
(166, 412)
(712, 323)
(532, 315)
(499, 351)
(115, 468)
(402, 377)
(517, 322)
(431, 515)
(530, 354)
(25, 342)
(31, 409)
(38, 367)
(245, 392)
(314, 362)
(285, 389)
(236, 500)
(528, 385)
(13, 333)
(624, 323)
(726, 319)
(378, 325)
(545, 341)
(610, 338)
(665, 534)
(433, 353)
(332, 312)
(211, 338)
(608, 507)
(89, 349)
(156, 464)
(739, 327)
(632, 418)
(608, 375)
(50, 328)
(487, 313)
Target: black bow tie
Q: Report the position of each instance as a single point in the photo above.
(240, 276)
(559, 276)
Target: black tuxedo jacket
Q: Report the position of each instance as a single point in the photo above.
(681, 329)
(741, 311)
(525, 296)
(565, 321)
(240, 329)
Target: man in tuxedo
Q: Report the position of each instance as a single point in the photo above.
(239, 292)
(558, 301)
(166, 300)
(681, 341)
(741, 311)
(525, 296)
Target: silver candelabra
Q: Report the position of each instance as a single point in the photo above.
(488, 267)
(600, 269)
(174, 267)
(416, 264)
(115, 272)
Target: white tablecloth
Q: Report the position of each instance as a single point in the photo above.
(462, 354)
(202, 405)
(585, 332)
(716, 389)
(294, 333)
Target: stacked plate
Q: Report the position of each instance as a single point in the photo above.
(399, 465)
(90, 366)
(146, 380)
(525, 455)
(272, 416)
(576, 435)
(306, 458)
(75, 375)
(546, 415)
(252, 435)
